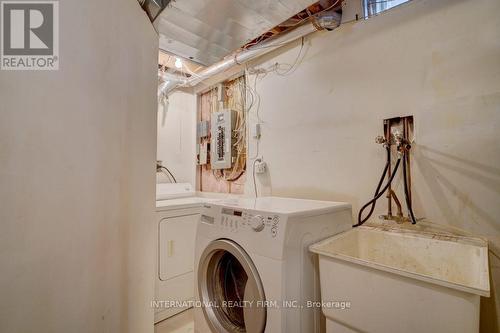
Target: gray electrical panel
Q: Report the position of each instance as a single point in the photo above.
(221, 147)
(202, 129)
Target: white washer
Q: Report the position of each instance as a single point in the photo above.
(255, 252)
(178, 213)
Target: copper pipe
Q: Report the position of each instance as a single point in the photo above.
(398, 203)
(407, 138)
(388, 142)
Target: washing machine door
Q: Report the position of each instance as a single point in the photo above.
(230, 289)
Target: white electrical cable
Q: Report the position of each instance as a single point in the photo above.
(253, 173)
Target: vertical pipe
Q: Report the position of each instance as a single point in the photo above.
(406, 125)
(388, 140)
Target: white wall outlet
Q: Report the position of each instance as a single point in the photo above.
(260, 167)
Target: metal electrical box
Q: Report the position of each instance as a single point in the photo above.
(202, 129)
(221, 146)
(202, 150)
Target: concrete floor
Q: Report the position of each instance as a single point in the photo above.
(180, 323)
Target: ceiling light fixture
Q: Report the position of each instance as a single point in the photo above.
(178, 63)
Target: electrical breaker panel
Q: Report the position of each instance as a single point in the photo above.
(221, 146)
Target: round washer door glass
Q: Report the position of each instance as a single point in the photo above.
(230, 289)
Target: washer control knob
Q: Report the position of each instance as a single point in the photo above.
(257, 223)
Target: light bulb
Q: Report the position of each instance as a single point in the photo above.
(178, 63)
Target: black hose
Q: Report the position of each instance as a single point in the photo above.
(378, 186)
(171, 175)
(407, 196)
(377, 196)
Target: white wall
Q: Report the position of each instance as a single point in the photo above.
(177, 137)
(436, 60)
(77, 151)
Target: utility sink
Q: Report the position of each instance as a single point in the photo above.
(400, 280)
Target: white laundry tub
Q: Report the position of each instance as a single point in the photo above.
(383, 280)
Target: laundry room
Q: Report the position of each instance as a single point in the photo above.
(293, 166)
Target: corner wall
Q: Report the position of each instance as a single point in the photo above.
(77, 177)
(436, 60)
(177, 137)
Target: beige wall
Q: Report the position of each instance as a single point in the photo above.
(177, 137)
(436, 60)
(77, 151)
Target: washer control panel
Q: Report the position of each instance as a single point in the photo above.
(238, 221)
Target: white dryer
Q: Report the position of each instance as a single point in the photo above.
(253, 269)
(178, 212)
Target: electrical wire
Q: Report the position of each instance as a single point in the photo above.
(382, 1)
(292, 26)
(236, 101)
(235, 92)
(295, 64)
(239, 103)
(358, 18)
(254, 46)
(255, 102)
(254, 105)
(253, 173)
(237, 177)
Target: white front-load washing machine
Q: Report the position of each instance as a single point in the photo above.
(253, 270)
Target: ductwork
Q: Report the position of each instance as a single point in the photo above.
(206, 31)
(170, 82)
(153, 7)
(327, 20)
